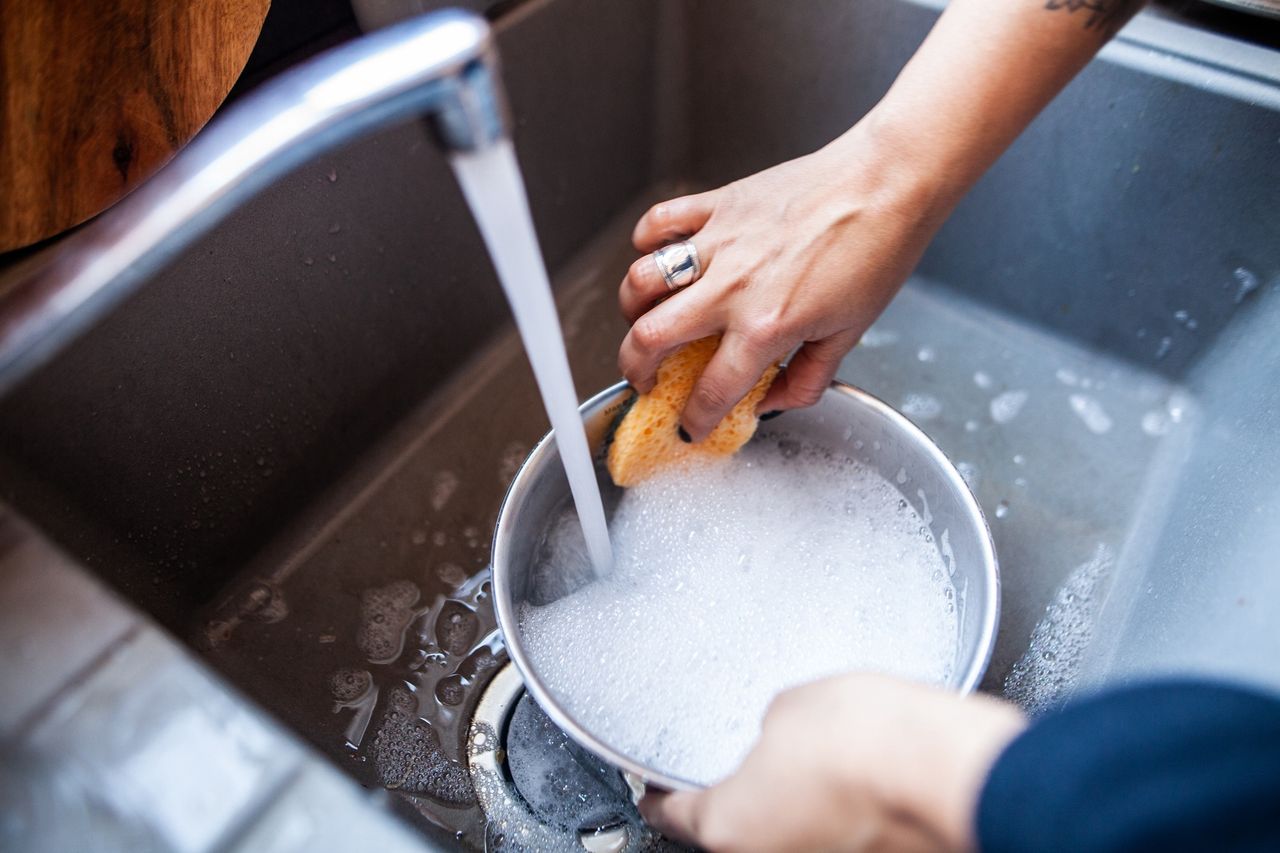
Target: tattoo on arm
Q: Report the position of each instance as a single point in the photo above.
(1105, 16)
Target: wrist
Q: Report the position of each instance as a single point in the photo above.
(959, 760)
(884, 162)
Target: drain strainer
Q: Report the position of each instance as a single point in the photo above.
(539, 790)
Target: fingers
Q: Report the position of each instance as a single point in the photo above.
(739, 813)
(674, 815)
(807, 375)
(732, 372)
(672, 220)
(644, 284)
(691, 314)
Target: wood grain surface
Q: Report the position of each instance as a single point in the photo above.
(95, 96)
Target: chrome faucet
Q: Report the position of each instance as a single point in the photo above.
(441, 65)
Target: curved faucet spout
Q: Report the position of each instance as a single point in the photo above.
(442, 65)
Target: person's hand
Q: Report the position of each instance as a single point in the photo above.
(855, 762)
(805, 254)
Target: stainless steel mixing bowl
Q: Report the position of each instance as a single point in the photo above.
(845, 416)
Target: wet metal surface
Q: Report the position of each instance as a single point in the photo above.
(1060, 480)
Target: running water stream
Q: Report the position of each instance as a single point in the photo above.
(491, 182)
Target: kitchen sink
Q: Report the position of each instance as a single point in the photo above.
(290, 446)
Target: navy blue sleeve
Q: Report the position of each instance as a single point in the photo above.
(1169, 766)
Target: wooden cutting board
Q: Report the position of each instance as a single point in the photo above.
(95, 96)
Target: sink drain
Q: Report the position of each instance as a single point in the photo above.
(541, 791)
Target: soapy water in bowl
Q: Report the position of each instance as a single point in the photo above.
(733, 581)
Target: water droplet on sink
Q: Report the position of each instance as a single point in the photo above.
(456, 628)
(921, 407)
(1156, 423)
(451, 690)
(1006, 406)
(1246, 283)
(348, 685)
(1090, 411)
(877, 337)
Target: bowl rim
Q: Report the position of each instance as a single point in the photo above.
(505, 608)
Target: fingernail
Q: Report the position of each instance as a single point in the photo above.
(684, 436)
(768, 416)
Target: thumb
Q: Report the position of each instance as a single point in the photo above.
(673, 814)
(807, 375)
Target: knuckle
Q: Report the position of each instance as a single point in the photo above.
(731, 195)
(639, 269)
(711, 395)
(659, 214)
(807, 394)
(647, 334)
(766, 331)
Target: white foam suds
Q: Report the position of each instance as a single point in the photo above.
(734, 581)
(1048, 671)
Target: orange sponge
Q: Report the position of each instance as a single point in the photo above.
(645, 441)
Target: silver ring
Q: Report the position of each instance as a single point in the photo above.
(678, 264)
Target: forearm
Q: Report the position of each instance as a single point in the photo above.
(985, 71)
(1177, 765)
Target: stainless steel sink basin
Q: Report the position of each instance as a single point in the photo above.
(290, 430)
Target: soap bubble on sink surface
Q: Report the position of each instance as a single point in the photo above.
(1090, 411)
(1156, 423)
(921, 407)
(1160, 422)
(385, 613)
(734, 581)
(1005, 407)
(1246, 283)
(876, 337)
(456, 628)
(443, 485)
(408, 756)
(348, 685)
(1048, 671)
